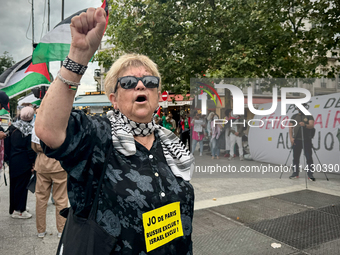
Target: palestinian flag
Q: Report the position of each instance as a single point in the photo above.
(29, 99)
(24, 76)
(55, 45)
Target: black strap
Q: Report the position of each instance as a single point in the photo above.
(95, 202)
(3, 164)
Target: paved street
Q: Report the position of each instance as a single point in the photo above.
(250, 213)
(235, 213)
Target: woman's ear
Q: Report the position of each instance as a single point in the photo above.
(113, 100)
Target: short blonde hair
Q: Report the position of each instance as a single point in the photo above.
(125, 62)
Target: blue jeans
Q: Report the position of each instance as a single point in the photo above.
(215, 151)
(194, 143)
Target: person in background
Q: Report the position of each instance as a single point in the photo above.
(2, 133)
(3, 104)
(23, 105)
(35, 108)
(198, 132)
(173, 122)
(209, 119)
(158, 120)
(168, 124)
(184, 124)
(19, 108)
(20, 158)
(216, 130)
(305, 126)
(17, 115)
(163, 119)
(4, 100)
(236, 133)
(227, 133)
(48, 172)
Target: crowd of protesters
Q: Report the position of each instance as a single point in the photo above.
(21, 150)
(213, 137)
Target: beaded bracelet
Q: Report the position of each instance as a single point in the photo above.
(75, 67)
(71, 84)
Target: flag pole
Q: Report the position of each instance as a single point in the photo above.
(48, 24)
(32, 25)
(48, 16)
(62, 18)
(62, 10)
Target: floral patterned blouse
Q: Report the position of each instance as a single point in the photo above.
(132, 185)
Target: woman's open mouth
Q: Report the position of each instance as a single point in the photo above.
(141, 99)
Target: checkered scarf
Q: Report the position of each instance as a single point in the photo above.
(178, 157)
(24, 126)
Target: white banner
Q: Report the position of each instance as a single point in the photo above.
(270, 143)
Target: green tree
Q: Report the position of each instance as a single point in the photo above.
(13, 103)
(6, 61)
(224, 38)
(326, 23)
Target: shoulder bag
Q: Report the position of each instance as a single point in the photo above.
(32, 182)
(83, 236)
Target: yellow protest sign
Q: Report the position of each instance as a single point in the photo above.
(162, 225)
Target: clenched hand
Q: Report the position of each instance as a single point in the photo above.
(87, 30)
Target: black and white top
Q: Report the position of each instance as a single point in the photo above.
(132, 185)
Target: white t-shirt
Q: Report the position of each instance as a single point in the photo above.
(198, 125)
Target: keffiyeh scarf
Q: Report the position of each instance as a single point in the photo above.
(178, 157)
(24, 127)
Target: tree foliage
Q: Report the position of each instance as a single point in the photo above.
(226, 38)
(6, 61)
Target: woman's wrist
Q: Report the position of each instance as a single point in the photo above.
(79, 56)
(69, 75)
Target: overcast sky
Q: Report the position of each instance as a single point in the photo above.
(16, 29)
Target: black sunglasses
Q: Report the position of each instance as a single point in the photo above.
(130, 82)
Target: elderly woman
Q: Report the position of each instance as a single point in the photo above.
(145, 202)
(20, 157)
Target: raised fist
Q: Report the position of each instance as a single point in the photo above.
(87, 30)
